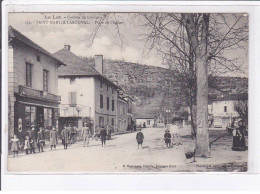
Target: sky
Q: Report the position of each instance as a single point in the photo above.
(52, 30)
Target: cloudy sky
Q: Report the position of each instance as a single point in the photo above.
(52, 31)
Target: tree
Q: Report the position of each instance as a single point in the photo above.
(195, 46)
(241, 107)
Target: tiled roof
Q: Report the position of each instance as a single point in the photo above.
(242, 96)
(14, 34)
(144, 116)
(75, 66)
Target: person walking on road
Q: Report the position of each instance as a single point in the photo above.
(103, 136)
(40, 140)
(65, 137)
(86, 135)
(53, 138)
(140, 138)
(167, 138)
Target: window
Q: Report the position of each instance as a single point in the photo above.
(107, 103)
(112, 91)
(112, 122)
(38, 57)
(72, 80)
(72, 98)
(101, 121)
(101, 101)
(148, 122)
(28, 74)
(107, 87)
(48, 117)
(113, 105)
(225, 108)
(123, 110)
(101, 85)
(45, 80)
(30, 116)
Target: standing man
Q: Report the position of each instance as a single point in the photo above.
(32, 140)
(40, 140)
(53, 138)
(103, 136)
(85, 134)
(69, 128)
(140, 138)
(65, 137)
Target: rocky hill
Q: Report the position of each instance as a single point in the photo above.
(149, 88)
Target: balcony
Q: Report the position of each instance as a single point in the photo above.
(75, 110)
(43, 95)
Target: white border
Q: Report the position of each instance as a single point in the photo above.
(177, 181)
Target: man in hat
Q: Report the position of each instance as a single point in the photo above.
(85, 134)
(167, 138)
(103, 136)
(65, 137)
(32, 139)
(140, 138)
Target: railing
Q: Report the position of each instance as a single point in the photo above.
(76, 110)
(23, 90)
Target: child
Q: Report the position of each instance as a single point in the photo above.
(167, 138)
(14, 145)
(27, 145)
(140, 138)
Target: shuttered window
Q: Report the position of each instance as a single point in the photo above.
(45, 80)
(72, 98)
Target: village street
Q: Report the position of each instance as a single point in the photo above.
(121, 155)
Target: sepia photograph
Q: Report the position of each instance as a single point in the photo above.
(113, 92)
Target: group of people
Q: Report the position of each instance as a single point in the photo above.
(171, 135)
(239, 140)
(33, 141)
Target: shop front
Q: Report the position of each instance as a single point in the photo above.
(34, 112)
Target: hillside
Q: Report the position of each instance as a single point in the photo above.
(148, 85)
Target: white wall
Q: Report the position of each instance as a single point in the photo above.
(84, 87)
(218, 109)
(142, 121)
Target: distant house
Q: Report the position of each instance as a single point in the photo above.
(32, 85)
(146, 120)
(122, 114)
(86, 94)
(223, 109)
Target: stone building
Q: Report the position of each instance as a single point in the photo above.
(32, 85)
(86, 94)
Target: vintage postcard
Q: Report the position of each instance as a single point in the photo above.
(127, 92)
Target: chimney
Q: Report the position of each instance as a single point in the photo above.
(99, 63)
(67, 47)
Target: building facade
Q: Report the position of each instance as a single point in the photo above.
(223, 110)
(32, 85)
(86, 95)
(123, 120)
(147, 121)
